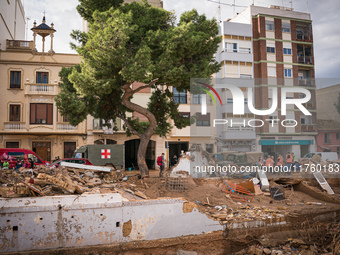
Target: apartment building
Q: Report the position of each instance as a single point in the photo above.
(236, 55)
(282, 58)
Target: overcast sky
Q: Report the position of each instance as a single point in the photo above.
(325, 16)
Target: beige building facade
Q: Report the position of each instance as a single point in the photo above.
(29, 117)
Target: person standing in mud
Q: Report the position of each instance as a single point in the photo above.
(161, 163)
(174, 160)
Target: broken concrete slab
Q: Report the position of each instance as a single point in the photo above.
(96, 219)
(92, 168)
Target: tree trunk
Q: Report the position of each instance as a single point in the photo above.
(143, 145)
(146, 136)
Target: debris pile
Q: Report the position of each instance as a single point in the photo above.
(44, 181)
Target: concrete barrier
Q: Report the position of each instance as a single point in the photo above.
(37, 223)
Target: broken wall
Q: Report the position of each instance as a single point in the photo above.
(96, 219)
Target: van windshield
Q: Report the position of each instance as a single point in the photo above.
(34, 158)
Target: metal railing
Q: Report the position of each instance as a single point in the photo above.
(306, 82)
(305, 60)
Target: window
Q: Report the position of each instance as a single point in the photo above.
(66, 119)
(97, 124)
(203, 120)
(14, 112)
(42, 77)
(338, 150)
(16, 155)
(229, 100)
(270, 49)
(12, 145)
(285, 27)
(270, 25)
(337, 136)
(244, 50)
(231, 47)
(273, 120)
(287, 51)
(15, 82)
(180, 97)
(69, 148)
(185, 115)
(327, 139)
(41, 114)
(209, 148)
(196, 99)
(288, 72)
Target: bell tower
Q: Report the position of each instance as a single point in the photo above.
(43, 30)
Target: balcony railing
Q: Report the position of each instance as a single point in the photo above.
(306, 82)
(305, 60)
(303, 37)
(308, 127)
(15, 125)
(44, 89)
(65, 126)
(240, 128)
(19, 45)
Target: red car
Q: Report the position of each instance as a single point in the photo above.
(12, 155)
(82, 161)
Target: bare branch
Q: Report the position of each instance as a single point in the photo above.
(145, 86)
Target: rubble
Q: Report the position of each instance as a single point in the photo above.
(45, 181)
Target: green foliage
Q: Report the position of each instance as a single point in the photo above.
(136, 42)
(86, 8)
(78, 36)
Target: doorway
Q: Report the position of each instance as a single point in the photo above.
(175, 148)
(69, 148)
(42, 149)
(131, 150)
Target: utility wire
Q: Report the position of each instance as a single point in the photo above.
(233, 5)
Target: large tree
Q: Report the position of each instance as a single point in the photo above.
(137, 42)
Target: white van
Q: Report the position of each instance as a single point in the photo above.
(324, 155)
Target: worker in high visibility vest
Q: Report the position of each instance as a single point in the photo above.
(279, 160)
(269, 161)
(289, 160)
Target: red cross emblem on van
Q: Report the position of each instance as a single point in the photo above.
(106, 153)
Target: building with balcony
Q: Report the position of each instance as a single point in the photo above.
(328, 138)
(236, 55)
(29, 116)
(282, 57)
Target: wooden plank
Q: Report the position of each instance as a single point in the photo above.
(33, 188)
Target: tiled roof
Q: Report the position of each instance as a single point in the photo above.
(328, 125)
(44, 26)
